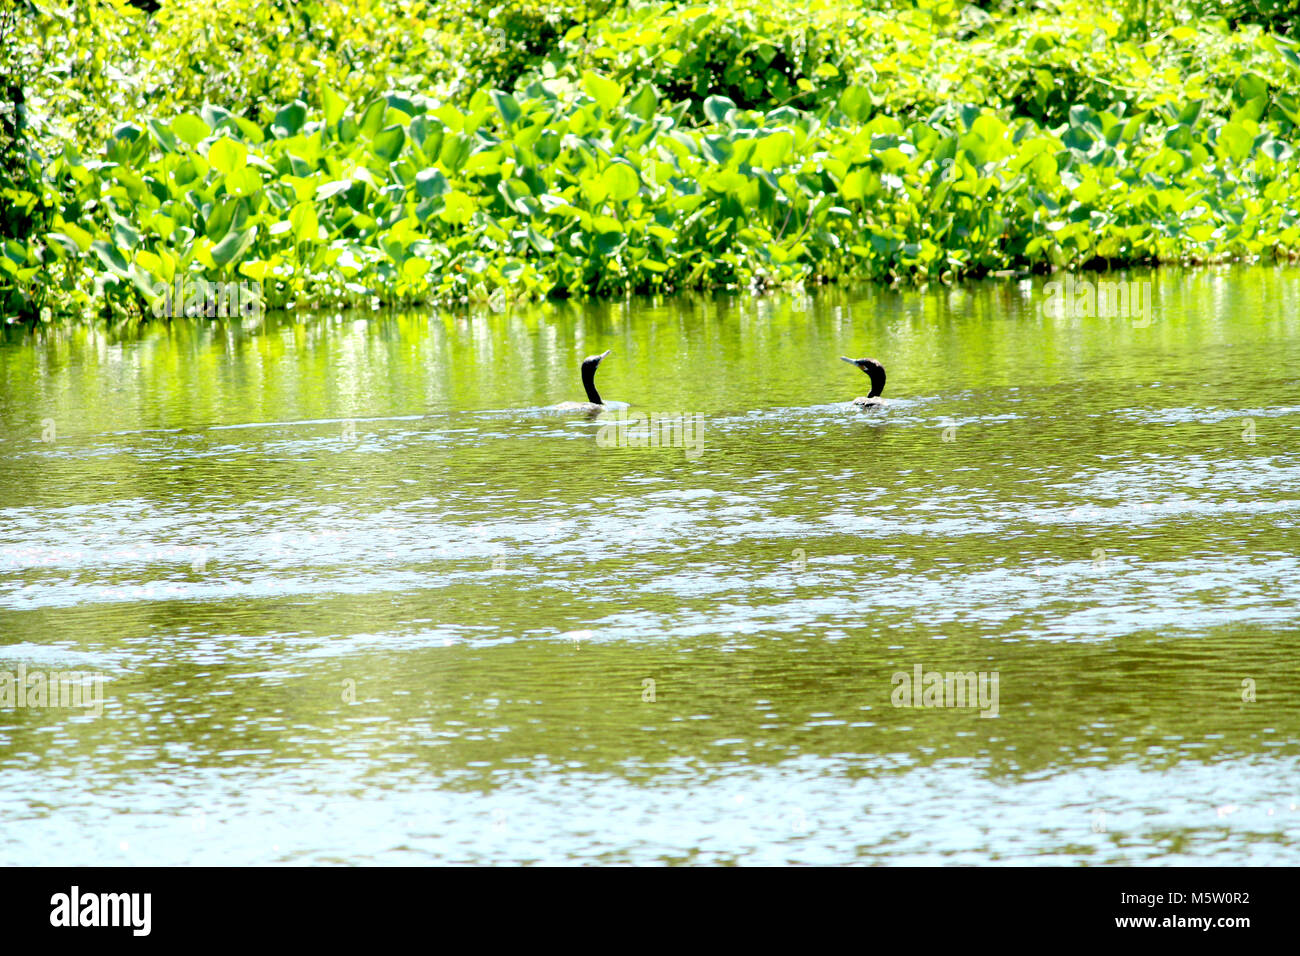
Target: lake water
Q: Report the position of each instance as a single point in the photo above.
(353, 596)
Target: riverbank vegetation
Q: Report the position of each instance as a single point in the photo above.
(394, 152)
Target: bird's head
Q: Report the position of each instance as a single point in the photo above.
(872, 369)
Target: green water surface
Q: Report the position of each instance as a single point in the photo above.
(356, 596)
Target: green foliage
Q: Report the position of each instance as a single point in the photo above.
(362, 153)
(513, 36)
(908, 58)
(1281, 16)
(22, 212)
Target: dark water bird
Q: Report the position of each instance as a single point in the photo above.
(874, 371)
(593, 402)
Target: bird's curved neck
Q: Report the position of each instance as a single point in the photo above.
(877, 383)
(589, 383)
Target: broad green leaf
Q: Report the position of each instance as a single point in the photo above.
(332, 105)
(604, 91)
(15, 250)
(431, 182)
(716, 108)
(855, 103)
(329, 190)
(80, 236)
(1190, 111)
(243, 182)
(289, 120)
(150, 262)
(163, 134)
(859, 184)
(1251, 110)
(507, 106)
(112, 259)
(458, 208)
(773, 151)
(1236, 140)
(304, 222)
(231, 248)
(388, 143)
(63, 241)
(621, 181)
(372, 120)
(125, 236)
(226, 155)
(455, 151)
(645, 103)
(415, 268)
(191, 129)
(547, 147)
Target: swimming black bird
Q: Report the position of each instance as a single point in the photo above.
(593, 402)
(874, 371)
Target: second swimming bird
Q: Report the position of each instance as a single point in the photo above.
(874, 371)
(593, 402)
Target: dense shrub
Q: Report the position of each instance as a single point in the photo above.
(22, 214)
(514, 36)
(409, 150)
(1280, 16)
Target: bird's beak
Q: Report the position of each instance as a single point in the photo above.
(849, 360)
(601, 357)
